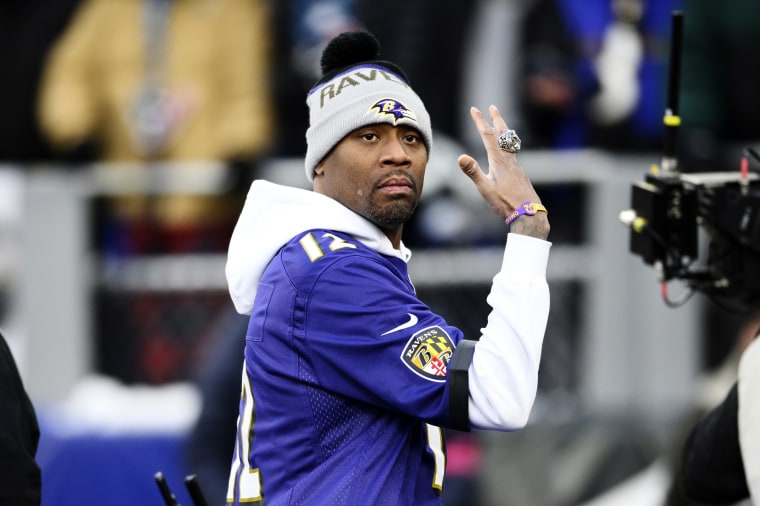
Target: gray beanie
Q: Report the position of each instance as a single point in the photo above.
(357, 89)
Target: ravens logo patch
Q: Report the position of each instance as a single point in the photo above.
(394, 108)
(428, 353)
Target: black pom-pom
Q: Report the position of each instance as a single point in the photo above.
(349, 48)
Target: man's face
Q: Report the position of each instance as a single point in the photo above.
(376, 171)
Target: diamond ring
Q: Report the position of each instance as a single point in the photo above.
(509, 141)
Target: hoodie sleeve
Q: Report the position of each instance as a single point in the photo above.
(503, 374)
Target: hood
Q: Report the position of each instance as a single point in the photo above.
(272, 215)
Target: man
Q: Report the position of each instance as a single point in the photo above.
(719, 459)
(20, 476)
(348, 376)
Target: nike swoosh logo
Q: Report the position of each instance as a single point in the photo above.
(409, 323)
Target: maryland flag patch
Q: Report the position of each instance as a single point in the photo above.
(428, 353)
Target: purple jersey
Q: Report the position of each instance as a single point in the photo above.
(345, 382)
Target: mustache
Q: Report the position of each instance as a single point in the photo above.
(398, 173)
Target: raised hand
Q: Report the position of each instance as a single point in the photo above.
(505, 187)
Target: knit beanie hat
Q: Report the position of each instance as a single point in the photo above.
(357, 89)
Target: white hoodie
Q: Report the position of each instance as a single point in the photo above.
(749, 416)
(503, 375)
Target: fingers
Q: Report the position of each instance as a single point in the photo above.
(469, 166)
(504, 186)
(498, 121)
(490, 134)
(482, 181)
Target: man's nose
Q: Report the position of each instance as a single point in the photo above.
(395, 152)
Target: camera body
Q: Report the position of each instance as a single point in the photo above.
(670, 208)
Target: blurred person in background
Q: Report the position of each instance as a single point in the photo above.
(718, 459)
(146, 81)
(20, 476)
(594, 73)
(147, 85)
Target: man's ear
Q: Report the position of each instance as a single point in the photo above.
(319, 170)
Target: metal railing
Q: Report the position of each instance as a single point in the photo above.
(634, 352)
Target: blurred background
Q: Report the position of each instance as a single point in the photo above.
(131, 130)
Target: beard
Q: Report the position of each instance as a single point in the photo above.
(391, 215)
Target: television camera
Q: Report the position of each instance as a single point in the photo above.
(672, 210)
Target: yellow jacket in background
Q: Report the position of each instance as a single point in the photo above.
(214, 73)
